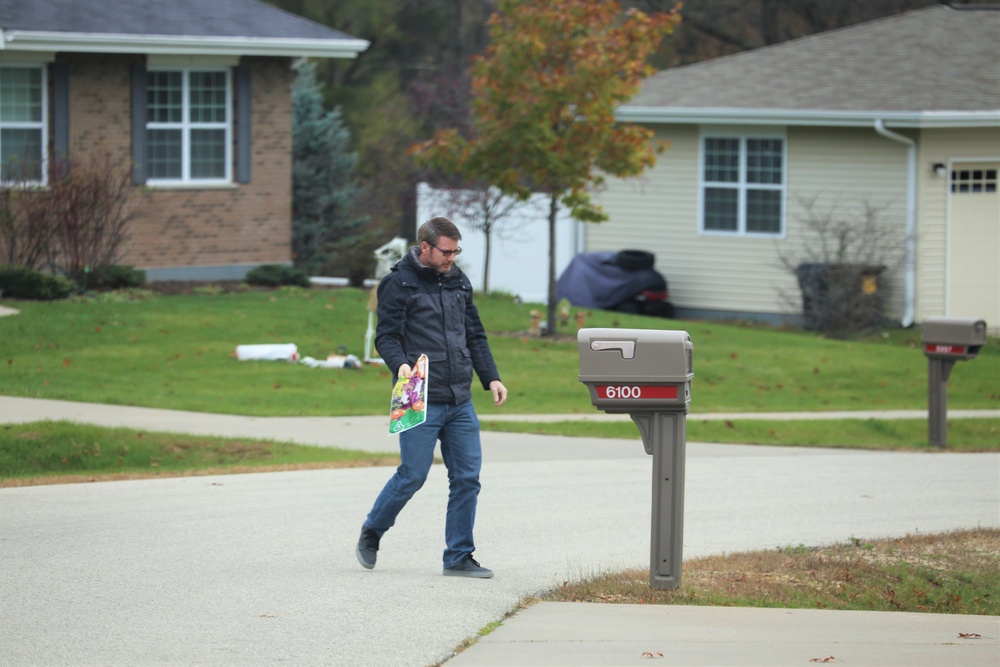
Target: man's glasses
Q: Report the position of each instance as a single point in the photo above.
(447, 253)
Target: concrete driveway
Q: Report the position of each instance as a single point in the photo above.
(260, 569)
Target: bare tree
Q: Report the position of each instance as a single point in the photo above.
(486, 209)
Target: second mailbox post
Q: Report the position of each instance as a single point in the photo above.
(647, 373)
(947, 340)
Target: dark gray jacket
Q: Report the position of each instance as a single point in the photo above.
(423, 311)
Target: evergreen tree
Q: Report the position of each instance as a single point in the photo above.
(323, 182)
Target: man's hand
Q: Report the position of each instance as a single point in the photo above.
(404, 371)
(499, 392)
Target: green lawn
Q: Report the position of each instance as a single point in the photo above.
(177, 352)
(63, 451)
(964, 435)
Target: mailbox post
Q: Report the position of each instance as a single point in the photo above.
(647, 374)
(946, 340)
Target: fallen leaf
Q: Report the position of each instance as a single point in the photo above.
(66, 361)
(969, 635)
(651, 654)
(827, 659)
(730, 424)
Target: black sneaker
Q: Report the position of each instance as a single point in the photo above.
(468, 568)
(367, 550)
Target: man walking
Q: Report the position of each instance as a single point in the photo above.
(425, 307)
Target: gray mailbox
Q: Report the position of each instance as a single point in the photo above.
(647, 373)
(947, 340)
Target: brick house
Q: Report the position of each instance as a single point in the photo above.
(194, 97)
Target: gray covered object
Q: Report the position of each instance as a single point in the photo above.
(598, 280)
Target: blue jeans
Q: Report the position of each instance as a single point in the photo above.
(457, 426)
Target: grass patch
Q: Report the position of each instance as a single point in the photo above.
(59, 452)
(954, 573)
(176, 352)
(964, 435)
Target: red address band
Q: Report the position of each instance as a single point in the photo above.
(944, 349)
(636, 391)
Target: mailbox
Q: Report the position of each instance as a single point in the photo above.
(630, 369)
(947, 340)
(953, 337)
(647, 373)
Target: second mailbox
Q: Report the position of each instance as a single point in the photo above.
(636, 369)
(953, 337)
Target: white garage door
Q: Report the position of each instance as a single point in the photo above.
(974, 248)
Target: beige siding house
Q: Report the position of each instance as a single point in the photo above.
(899, 116)
(193, 97)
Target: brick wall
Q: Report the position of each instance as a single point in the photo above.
(241, 224)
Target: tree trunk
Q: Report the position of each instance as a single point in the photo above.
(486, 263)
(551, 323)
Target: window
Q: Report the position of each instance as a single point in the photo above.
(22, 123)
(974, 180)
(188, 125)
(743, 185)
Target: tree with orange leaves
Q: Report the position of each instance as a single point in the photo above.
(545, 92)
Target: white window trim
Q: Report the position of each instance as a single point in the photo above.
(186, 126)
(43, 124)
(742, 186)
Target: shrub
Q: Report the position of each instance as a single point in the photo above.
(17, 282)
(841, 261)
(113, 277)
(26, 229)
(273, 275)
(78, 222)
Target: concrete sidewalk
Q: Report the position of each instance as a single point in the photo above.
(552, 634)
(260, 569)
(370, 433)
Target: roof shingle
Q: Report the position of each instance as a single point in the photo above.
(937, 59)
(196, 18)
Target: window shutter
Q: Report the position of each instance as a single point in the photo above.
(138, 124)
(243, 142)
(60, 110)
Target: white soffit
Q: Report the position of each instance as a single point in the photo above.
(17, 40)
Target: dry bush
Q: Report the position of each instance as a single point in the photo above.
(841, 259)
(75, 224)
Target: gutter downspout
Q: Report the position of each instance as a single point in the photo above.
(911, 219)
